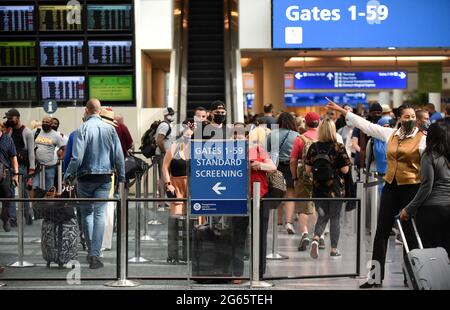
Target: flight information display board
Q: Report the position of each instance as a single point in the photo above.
(63, 88)
(60, 18)
(111, 88)
(110, 53)
(109, 17)
(67, 53)
(16, 18)
(18, 88)
(17, 54)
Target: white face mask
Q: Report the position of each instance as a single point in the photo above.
(169, 118)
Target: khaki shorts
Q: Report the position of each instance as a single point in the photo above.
(303, 191)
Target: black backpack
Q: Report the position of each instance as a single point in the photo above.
(322, 169)
(148, 140)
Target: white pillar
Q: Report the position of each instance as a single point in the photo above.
(397, 98)
(384, 97)
(435, 98)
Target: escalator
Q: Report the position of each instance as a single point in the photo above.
(205, 55)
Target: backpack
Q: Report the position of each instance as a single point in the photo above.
(148, 140)
(306, 178)
(322, 168)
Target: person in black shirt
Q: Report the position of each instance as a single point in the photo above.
(9, 169)
(217, 128)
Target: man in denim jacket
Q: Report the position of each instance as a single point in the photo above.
(96, 155)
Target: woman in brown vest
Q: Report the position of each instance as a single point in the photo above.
(404, 147)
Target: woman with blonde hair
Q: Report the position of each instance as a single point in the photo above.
(327, 160)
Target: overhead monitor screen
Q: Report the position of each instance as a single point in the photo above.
(111, 88)
(60, 18)
(18, 88)
(63, 88)
(17, 54)
(16, 18)
(67, 53)
(325, 24)
(110, 53)
(109, 17)
(359, 80)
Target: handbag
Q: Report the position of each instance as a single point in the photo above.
(134, 166)
(277, 184)
(56, 212)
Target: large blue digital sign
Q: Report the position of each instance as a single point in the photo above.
(346, 80)
(306, 24)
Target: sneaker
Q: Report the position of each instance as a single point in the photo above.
(88, 259)
(398, 240)
(370, 285)
(304, 242)
(321, 243)
(290, 229)
(6, 226)
(314, 252)
(95, 263)
(335, 254)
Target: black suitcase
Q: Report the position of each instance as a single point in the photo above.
(425, 269)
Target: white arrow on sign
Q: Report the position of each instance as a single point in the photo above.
(402, 75)
(298, 75)
(330, 76)
(217, 188)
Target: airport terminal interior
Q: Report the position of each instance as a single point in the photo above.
(146, 59)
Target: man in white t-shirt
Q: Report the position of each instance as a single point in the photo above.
(164, 138)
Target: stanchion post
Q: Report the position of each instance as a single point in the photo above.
(42, 186)
(275, 255)
(154, 221)
(137, 235)
(373, 209)
(60, 176)
(122, 244)
(255, 280)
(20, 262)
(146, 236)
(361, 193)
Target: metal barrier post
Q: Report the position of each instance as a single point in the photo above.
(42, 186)
(60, 176)
(20, 263)
(146, 236)
(154, 221)
(361, 193)
(255, 281)
(137, 235)
(373, 209)
(275, 255)
(122, 244)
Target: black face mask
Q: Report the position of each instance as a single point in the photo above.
(46, 127)
(55, 128)
(10, 124)
(374, 119)
(408, 126)
(219, 118)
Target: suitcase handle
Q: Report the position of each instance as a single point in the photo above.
(405, 244)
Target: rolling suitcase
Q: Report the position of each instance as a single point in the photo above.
(59, 241)
(425, 269)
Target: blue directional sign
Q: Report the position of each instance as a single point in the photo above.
(342, 80)
(218, 178)
(50, 106)
(299, 24)
(296, 100)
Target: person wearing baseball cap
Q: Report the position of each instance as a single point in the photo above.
(300, 147)
(217, 128)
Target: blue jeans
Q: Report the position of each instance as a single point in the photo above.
(12, 207)
(93, 214)
(49, 178)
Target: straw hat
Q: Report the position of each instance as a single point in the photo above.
(107, 116)
(386, 108)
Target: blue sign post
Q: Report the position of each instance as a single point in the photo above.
(346, 80)
(299, 24)
(219, 177)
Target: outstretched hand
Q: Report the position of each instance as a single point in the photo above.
(333, 106)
